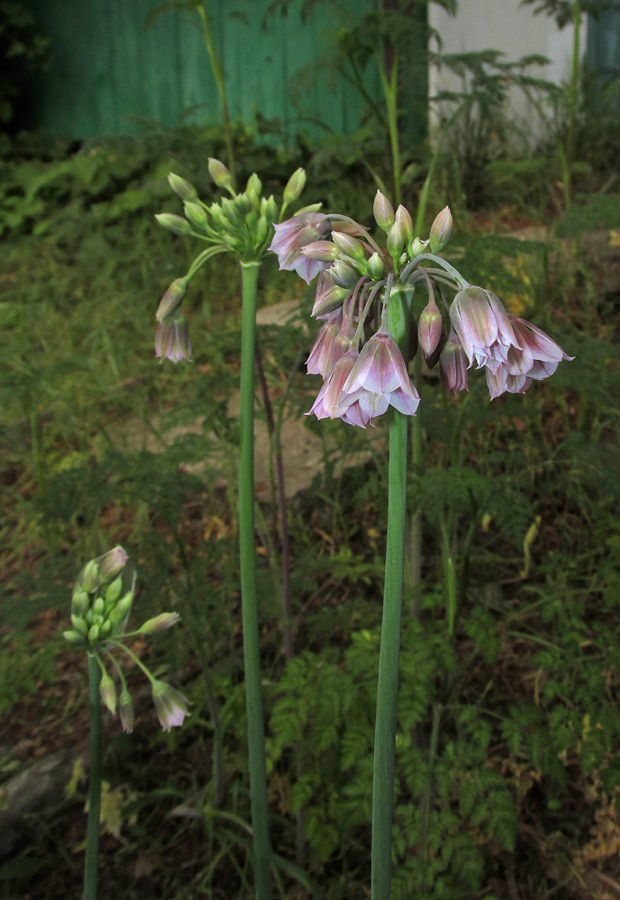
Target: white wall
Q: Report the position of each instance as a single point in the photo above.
(508, 26)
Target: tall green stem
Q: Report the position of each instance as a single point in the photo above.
(94, 791)
(249, 604)
(390, 92)
(218, 74)
(573, 97)
(387, 688)
(414, 549)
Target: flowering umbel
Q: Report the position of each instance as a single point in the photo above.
(242, 224)
(100, 607)
(381, 303)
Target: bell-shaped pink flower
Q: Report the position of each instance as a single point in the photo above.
(483, 327)
(453, 365)
(172, 339)
(294, 234)
(170, 704)
(536, 357)
(321, 360)
(380, 379)
(326, 404)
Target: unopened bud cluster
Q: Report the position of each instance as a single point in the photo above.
(100, 606)
(241, 224)
(381, 302)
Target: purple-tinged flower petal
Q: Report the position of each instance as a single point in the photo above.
(172, 339)
(294, 234)
(170, 704)
(379, 379)
(483, 326)
(329, 296)
(321, 360)
(453, 365)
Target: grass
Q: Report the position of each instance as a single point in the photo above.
(522, 785)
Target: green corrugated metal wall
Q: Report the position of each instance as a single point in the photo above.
(111, 74)
(604, 44)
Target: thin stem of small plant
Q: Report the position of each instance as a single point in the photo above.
(249, 600)
(94, 790)
(220, 82)
(387, 688)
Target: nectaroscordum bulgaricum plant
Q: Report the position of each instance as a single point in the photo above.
(100, 607)
(382, 304)
(242, 224)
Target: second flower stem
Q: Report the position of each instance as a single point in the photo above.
(249, 602)
(387, 688)
(94, 791)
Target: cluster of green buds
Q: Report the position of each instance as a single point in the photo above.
(100, 606)
(242, 224)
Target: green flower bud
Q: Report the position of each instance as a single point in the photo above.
(105, 629)
(93, 634)
(89, 576)
(98, 607)
(175, 224)
(98, 620)
(79, 624)
(383, 211)
(253, 189)
(121, 610)
(270, 212)
(418, 246)
(73, 637)
(243, 205)
(220, 174)
(403, 217)
(79, 602)
(376, 267)
(343, 275)
(230, 210)
(262, 230)
(114, 591)
(125, 710)
(88, 616)
(159, 623)
(441, 230)
(251, 220)
(322, 250)
(197, 215)
(108, 692)
(395, 240)
(182, 188)
(171, 300)
(294, 185)
(350, 246)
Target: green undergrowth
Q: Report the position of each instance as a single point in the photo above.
(507, 760)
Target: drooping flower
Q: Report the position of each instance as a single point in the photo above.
(380, 379)
(326, 405)
(536, 357)
(453, 365)
(172, 339)
(483, 327)
(294, 234)
(170, 704)
(322, 356)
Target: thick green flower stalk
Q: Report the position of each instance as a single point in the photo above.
(100, 607)
(244, 226)
(382, 303)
